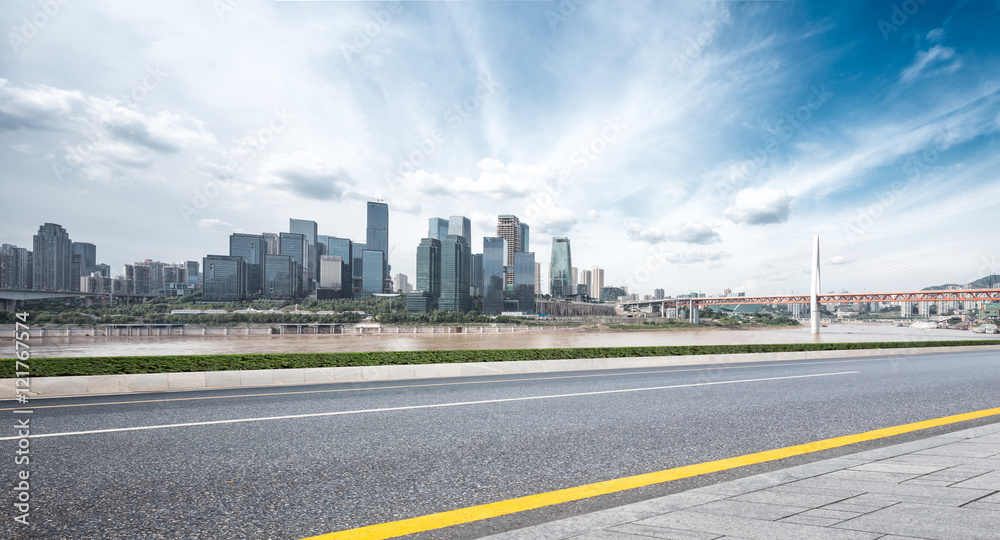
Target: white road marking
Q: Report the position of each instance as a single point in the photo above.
(415, 407)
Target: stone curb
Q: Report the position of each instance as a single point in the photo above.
(217, 380)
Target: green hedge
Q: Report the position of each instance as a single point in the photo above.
(106, 365)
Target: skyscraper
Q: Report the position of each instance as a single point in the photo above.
(343, 248)
(15, 270)
(373, 275)
(310, 260)
(476, 287)
(425, 298)
(402, 283)
(524, 282)
(89, 253)
(281, 277)
(253, 248)
(296, 246)
(377, 237)
(575, 280)
(561, 269)
(509, 228)
(437, 228)
(524, 238)
(587, 280)
(460, 226)
(494, 285)
(597, 282)
(455, 272)
(538, 278)
(273, 245)
(225, 278)
(357, 266)
(331, 274)
(52, 264)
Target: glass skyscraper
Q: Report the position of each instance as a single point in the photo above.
(455, 271)
(429, 266)
(281, 277)
(310, 261)
(89, 253)
(373, 275)
(377, 238)
(253, 248)
(524, 237)
(343, 248)
(524, 282)
(225, 278)
(561, 269)
(296, 246)
(494, 255)
(477, 274)
(437, 228)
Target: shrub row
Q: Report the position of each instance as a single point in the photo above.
(115, 365)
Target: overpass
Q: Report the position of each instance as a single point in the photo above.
(9, 298)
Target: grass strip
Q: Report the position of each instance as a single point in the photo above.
(130, 365)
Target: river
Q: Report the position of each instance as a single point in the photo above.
(158, 346)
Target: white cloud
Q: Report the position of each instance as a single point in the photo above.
(307, 175)
(653, 235)
(925, 60)
(694, 233)
(760, 206)
(210, 224)
(554, 220)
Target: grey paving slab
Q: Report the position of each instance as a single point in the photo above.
(905, 468)
(749, 509)
(902, 492)
(852, 475)
(989, 481)
(803, 519)
(647, 531)
(934, 523)
(790, 498)
(839, 515)
(907, 448)
(753, 529)
(961, 449)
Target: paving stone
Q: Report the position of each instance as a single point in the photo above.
(931, 522)
(984, 506)
(936, 483)
(852, 507)
(989, 481)
(905, 468)
(839, 515)
(802, 519)
(852, 475)
(951, 496)
(752, 529)
(662, 532)
(748, 509)
(961, 449)
(908, 448)
(790, 498)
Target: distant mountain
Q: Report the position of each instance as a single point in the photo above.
(989, 282)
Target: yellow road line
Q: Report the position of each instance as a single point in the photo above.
(501, 508)
(394, 387)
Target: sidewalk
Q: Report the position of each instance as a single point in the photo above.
(941, 488)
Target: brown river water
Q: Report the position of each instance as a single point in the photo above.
(154, 346)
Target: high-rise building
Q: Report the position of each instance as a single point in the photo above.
(525, 247)
(587, 280)
(76, 271)
(225, 278)
(296, 246)
(575, 279)
(281, 277)
(310, 260)
(253, 248)
(597, 282)
(524, 282)
(477, 275)
(373, 276)
(15, 270)
(494, 283)
(192, 271)
(402, 283)
(429, 266)
(509, 228)
(273, 244)
(331, 274)
(455, 271)
(538, 278)
(357, 267)
(460, 226)
(659, 294)
(561, 269)
(343, 248)
(377, 236)
(52, 265)
(89, 253)
(437, 228)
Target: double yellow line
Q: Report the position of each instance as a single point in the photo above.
(486, 511)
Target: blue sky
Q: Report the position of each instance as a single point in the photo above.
(679, 145)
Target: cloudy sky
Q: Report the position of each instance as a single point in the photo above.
(684, 145)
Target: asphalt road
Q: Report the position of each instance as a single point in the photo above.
(433, 450)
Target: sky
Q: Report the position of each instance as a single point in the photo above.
(682, 145)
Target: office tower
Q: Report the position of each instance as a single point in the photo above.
(52, 264)
(15, 270)
(612, 294)
(310, 261)
(402, 283)
(524, 282)
(429, 266)
(76, 271)
(225, 278)
(524, 238)
(373, 273)
(587, 280)
(455, 271)
(343, 248)
(377, 236)
(357, 266)
(460, 226)
(253, 248)
(509, 228)
(659, 294)
(281, 277)
(192, 271)
(560, 269)
(331, 275)
(575, 280)
(494, 284)
(89, 253)
(476, 288)
(437, 228)
(597, 282)
(538, 278)
(273, 244)
(296, 246)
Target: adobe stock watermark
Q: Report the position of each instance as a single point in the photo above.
(380, 20)
(564, 11)
(78, 153)
(583, 158)
(915, 167)
(456, 113)
(784, 130)
(32, 26)
(255, 143)
(899, 16)
(696, 45)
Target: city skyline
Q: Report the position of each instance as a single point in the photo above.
(745, 130)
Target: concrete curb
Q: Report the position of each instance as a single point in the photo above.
(216, 380)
